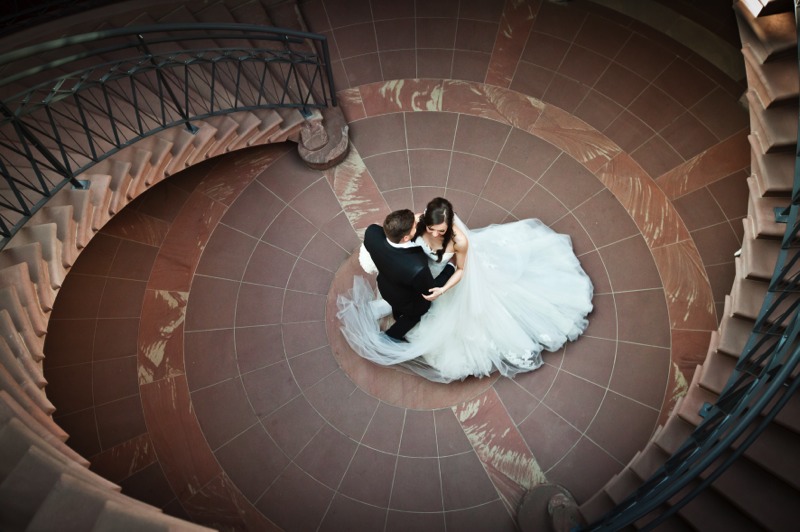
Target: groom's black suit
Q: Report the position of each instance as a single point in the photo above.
(403, 276)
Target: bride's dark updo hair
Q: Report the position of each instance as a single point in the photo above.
(438, 211)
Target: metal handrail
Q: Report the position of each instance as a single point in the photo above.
(763, 381)
(69, 103)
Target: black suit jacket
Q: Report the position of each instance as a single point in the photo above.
(403, 274)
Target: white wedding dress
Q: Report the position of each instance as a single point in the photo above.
(523, 291)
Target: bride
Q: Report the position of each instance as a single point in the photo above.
(518, 289)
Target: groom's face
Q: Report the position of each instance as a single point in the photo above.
(410, 236)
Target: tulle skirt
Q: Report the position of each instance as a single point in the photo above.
(523, 291)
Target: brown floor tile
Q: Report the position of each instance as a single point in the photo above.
(583, 65)
(565, 93)
(370, 476)
(640, 373)
(656, 157)
(345, 407)
(605, 219)
(602, 36)
(133, 261)
(223, 411)
(470, 66)
(651, 328)
(574, 399)
(546, 51)
(417, 485)
(258, 346)
(347, 514)
(486, 213)
(639, 422)
(698, 209)
(721, 276)
(468, 173)
(148, 485)
(538, 383)
(591, 358)
(79, 297)
(380, 134)
(389, 170)
(317, 203)
(684, 82)
(299, 306)
(293, 425)
(122, 298)
(487, 518)
(363, 69)
(716, 243)
(340, 231)
(528, 154)
(385, 429)
(419, 434)
(129, 224)
(532, 80)
(114, 379)
(555, 20)
(70, 342)
(290, 231)
(309, 368)
(163, 201)
(430, 130)
(97, 258)
(548, 435)
(211, 304)
(603, 318)
(450, 436)
(428, 167)
(570, 182)
(655, 108)
(517, 402)
(642, 55)
(594, 267)
(327, 456)
(307, 277)
(324, 252)
(226, 253)
(270, 388)
(539, 203)
(731, 194)
(628, 131)
(400, 64)
(395, 34)
(120, 421)
(252, 461)
(505, 187)
(584, 470)
(435, 32)
(69, 388)
(475, 35)
(465, 482)
(358, 39)
(121, 461)
(621, 85)
(283, 507)
(255, 199)
(210, 357)
(397, 521)
(434, 63)
(269, 265)
(630, 265)
(721, 113)
(480, 136)
(82, 428)
(597, 110)
(688, 136)
(257, 305)
(288, 176)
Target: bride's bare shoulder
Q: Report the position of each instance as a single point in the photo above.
(459, 238)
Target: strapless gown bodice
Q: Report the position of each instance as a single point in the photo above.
(435, 267)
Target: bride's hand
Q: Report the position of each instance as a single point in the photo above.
(433, 293)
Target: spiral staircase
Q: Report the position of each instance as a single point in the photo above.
(44, 485)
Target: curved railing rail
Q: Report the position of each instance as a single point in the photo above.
(765, 377)
(67, 104)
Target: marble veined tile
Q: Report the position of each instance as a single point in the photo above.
(499, 445)
(574, 136)
(494, 103)
(221, 503)
(357, 192)
(351, 104)
(160, 349)
(690, 299)
(515, 26)
(647, 204)
(231, 175)
(121, 461)
(402, 95)
(182, 449)
(721, 160)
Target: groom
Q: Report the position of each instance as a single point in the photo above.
(403, 273)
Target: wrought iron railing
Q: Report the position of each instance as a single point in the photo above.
(765, 378)
(66, 105)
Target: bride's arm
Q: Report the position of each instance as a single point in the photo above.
(460, 245)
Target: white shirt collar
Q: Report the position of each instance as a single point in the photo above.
(409, 244)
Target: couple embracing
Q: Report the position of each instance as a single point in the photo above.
(466, 303)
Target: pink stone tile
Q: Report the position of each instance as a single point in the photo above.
(327, 456)
(234, 173)
(220, 503)
(402, 95)
(499, 446)
(641, 197)
(177, 260)
(715, 163)
(351, 105)
(584, 143)
(494, 103)
(516, 21)
(357, 192)
(133, 225)
(123, 460)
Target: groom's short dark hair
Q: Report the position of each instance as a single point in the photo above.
(398, 224)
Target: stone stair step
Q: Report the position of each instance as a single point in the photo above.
(693, 401)
(774, 172)
(31, 254)
(768, 36)
(82, 211)
(775, 451)
(716, 370)
(116, 516)
(37, 422)
(16, 280)
(66, 229)
(789, 415)
(774, 82)
(269, 122)
(759, 255)
(19, 385)
(18, 353)
(101, 196)
(676, 430)
(776, 127)
(734, 331)
(761, 214)
(597, 506)
(9, 302)
(46, 236)
(118, 185)
(186, 145)
(747, 296)
(761, 8)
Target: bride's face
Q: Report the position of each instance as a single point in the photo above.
(437, 230)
